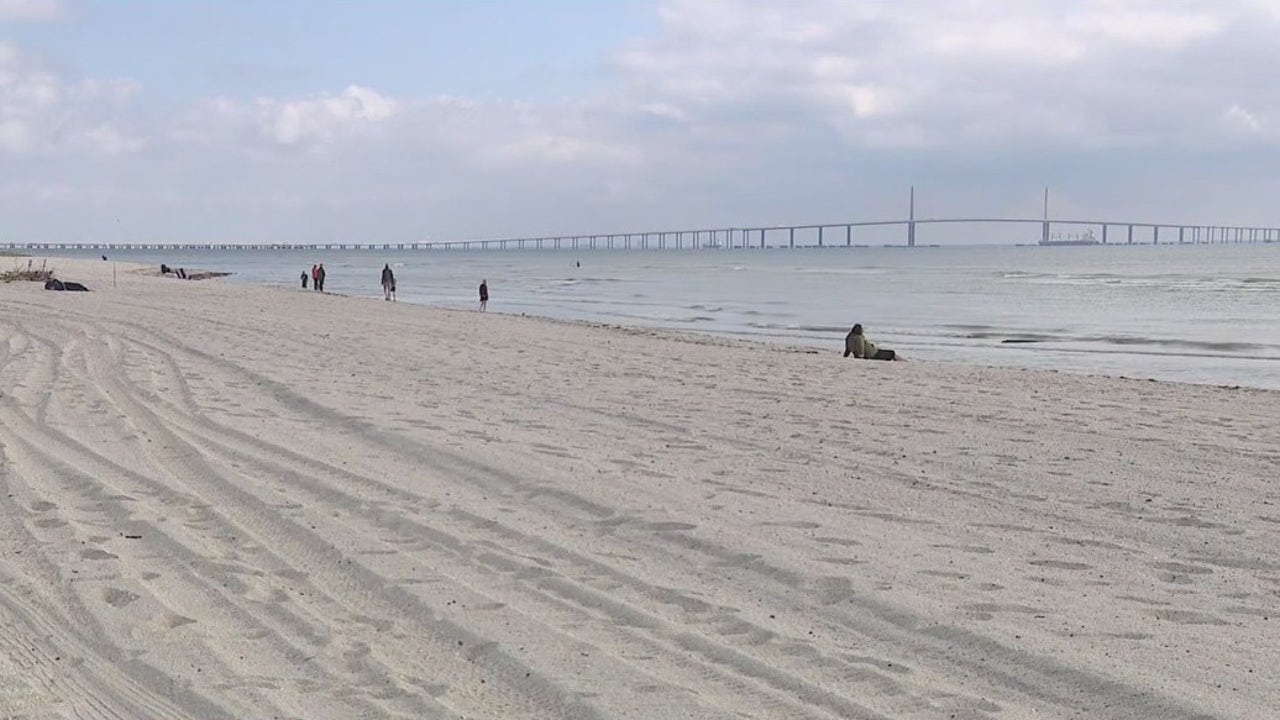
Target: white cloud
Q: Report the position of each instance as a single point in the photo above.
(1238, 118)
(323, 117)
(953, 74)
(561, 149)
(41, 113)
(732, 111)
(31, 10)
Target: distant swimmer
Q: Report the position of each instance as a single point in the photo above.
(857, 345)
(484, 295)
(575, 263)
(388, 283)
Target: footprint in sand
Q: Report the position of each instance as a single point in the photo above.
(1061, 565)
(794, 524)
(1178, 573)
(1188, 617)
(846, 542)
(115, 597)
(96, 554)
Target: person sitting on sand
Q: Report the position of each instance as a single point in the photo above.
(484, 295)
(857, 344)
(388, 283)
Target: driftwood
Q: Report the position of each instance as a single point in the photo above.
(30, 273)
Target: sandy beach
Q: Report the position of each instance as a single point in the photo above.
(226, 501)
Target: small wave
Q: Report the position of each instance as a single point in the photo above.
(1225, 346)
(706, 308)
(589, 280)
(822, 328)
(1014, 337)
(840, 271)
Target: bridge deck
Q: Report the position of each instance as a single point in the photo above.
(722, 238)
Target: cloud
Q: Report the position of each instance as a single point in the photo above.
(42, 113)
(730, 112)
(1001, 73)
(31, 10)
(323, 117)
(1241, 119)
(561, 149)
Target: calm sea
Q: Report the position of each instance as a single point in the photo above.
(1192, 313)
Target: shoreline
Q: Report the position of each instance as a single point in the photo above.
(307, 506)
(1108, 349)
(712, 337)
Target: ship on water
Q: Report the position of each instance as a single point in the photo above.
(1085, 238)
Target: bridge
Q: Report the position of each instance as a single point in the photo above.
(774, 236)
(777, 236)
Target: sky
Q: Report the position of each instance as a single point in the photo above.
(428, 120)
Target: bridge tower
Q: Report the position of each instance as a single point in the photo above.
(1044, 227)
(911, 219)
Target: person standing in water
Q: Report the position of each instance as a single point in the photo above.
(857, 345)
(315, 277)
(304, 279)
(388, 283)
(484, 295)
(320, 277)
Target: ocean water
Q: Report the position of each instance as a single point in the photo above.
(1189, 313)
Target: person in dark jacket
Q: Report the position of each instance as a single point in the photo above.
(388, 283)
(484, 295)
(304, 279)
(320, 277)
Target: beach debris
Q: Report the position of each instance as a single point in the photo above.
(56, 284)
(31, 273)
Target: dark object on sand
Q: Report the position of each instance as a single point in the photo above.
(56, 284)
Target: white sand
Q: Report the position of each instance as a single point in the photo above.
(222, 501)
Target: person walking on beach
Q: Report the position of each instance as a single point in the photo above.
(484, 295)
(857, 345)
(320, 277)
(315, 277)
(388, 283)
(304, 279)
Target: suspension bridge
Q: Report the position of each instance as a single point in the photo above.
(841, 234)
